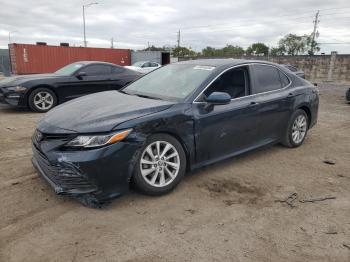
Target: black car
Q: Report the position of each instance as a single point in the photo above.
(295, 70)
(178, 118)
(41, 92)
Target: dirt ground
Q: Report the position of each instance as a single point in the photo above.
(225, 212)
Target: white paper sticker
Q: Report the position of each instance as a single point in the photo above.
(209, 68)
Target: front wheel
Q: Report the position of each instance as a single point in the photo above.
(297, 129)
(42, 100)
(160, 166)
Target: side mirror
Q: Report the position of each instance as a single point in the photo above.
(218, 98)
(80, 75)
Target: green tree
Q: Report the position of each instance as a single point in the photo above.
(276, 51)
(257, 49)
(293, 44)
(312, 45)
(183, 51)
(231, 50)
(208, 51)
(154, 48)
(228, 50)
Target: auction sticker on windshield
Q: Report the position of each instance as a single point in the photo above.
(209, 68)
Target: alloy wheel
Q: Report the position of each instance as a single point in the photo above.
(43, 100)
(299, 129)
(159, 163)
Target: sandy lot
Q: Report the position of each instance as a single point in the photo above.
(224, 212)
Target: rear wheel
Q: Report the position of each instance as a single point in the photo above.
(297, 129)
(42, 100)
(160, 166)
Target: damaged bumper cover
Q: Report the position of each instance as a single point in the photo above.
(103, 172)
(64, 181)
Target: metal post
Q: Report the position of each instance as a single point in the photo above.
(84, 26)
(86, 6)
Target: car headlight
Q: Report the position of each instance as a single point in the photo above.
(18, 89)
(97, 140)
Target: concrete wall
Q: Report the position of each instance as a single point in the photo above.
(319, 68)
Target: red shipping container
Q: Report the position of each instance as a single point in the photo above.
(33, 59)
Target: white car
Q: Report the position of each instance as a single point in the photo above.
(144, 66)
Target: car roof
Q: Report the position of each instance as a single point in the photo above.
(223, 62)
(95, 62)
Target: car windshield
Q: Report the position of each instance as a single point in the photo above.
(138, 64)
(173, 82)
(69, 69)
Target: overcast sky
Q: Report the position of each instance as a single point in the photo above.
(134, 23)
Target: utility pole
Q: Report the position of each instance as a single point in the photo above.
(112, 43)
(178, 38)
(315, 32)
(86, 6)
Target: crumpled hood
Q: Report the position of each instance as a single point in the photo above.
(99, 112)
(20, 79)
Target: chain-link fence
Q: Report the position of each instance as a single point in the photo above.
(4, 62)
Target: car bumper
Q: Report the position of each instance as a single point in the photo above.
(103, 172)
(11, 98)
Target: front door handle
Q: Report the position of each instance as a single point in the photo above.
(290, 95)
(253, 103)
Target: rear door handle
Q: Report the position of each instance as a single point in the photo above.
(290, 95)
(253, 103)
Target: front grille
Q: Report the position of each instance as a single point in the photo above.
(62, 174)
(39, 136)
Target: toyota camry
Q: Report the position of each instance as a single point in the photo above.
(173, 120)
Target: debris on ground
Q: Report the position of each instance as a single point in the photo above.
(191, 211)
(347, 246)
(313, 200)
(290, 200)
(331, 230)
(329, 162)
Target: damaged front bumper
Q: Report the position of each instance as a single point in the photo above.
(64, 181)
(103, 173)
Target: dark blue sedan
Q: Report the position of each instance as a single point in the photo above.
(178, 118)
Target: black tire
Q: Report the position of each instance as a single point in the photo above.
(348, 95)
(288, 140)
(140, 182)
(33, 96)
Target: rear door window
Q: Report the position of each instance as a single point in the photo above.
(96, 70)
(146, 65)
(292, 68)
(267, 78)
(284, 79)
